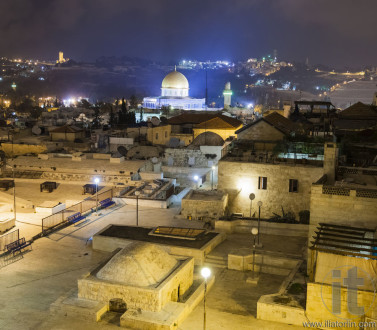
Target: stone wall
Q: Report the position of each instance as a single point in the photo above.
(145, 298)
(239, 179)
(320, 295)
(181, 158)
(22, 149)
(341, 206)
(92, 288)
(205, 208)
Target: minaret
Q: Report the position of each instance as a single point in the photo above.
(227, 95)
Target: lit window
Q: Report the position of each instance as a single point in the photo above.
(293, 185)
(262, 183)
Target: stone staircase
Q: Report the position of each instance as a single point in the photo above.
(216, 261)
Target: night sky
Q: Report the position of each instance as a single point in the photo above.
(332, 32)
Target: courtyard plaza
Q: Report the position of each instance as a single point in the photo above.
(30, 282)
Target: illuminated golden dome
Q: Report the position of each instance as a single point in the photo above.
(175, 80)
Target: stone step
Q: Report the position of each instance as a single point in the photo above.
(216, 261)
(216, 265)
(213, 257)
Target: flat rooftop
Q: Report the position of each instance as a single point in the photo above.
(200, 195)
(142, 234)
(61, 163)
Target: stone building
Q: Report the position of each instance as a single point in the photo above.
(277, 185)
(188, 126)
(204, 205)
(266, 132)
(150, 283)
(343, 196)
(67, 133)
(143, 275)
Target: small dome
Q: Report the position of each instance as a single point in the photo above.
(139, 264)
(208, 139)
(175, 79)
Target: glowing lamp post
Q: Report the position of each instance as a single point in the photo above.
(206, 272)
(254, 232)
(137, 193)
(260, 203)
(96, 181)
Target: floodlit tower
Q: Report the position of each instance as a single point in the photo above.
(227, 95)
(61, 57)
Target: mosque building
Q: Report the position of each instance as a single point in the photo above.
(174, 94)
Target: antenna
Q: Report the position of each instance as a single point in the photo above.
(206, 92)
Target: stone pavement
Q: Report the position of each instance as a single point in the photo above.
(39, 277)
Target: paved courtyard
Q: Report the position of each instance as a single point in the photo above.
(30, 283)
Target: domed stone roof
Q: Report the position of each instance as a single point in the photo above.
(208, 139)
(139, 264)
(175, 79)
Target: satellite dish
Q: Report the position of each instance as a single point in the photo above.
(155, 121)
(122, 150)
(36, 130)
(174, 142)
(154, 160)
(252, 196)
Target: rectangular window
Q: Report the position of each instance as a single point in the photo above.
(166, 134)
(293, 185)
(262, 183)
(156, 136)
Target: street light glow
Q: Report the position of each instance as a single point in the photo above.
(96, 180)
(196, 178)
(206, 272)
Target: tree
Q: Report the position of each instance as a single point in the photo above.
(36, 112)
(84, 104)
(141, 114)
(133, 102)
(112, 121)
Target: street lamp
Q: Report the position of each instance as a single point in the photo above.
(137, 193)
(213, 168)
(251, 197)
(254, 232)
(96, 181)
(206, 272)
(260, 203)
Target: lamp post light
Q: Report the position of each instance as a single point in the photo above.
(96, 181)
(213, 169)
(137, 193)
(206, 272)
(254, 232)
(260, 203)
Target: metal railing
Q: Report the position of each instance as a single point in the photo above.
(9, 238)
(83, 207)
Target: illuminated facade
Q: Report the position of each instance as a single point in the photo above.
(174, 94)
(227, 96)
